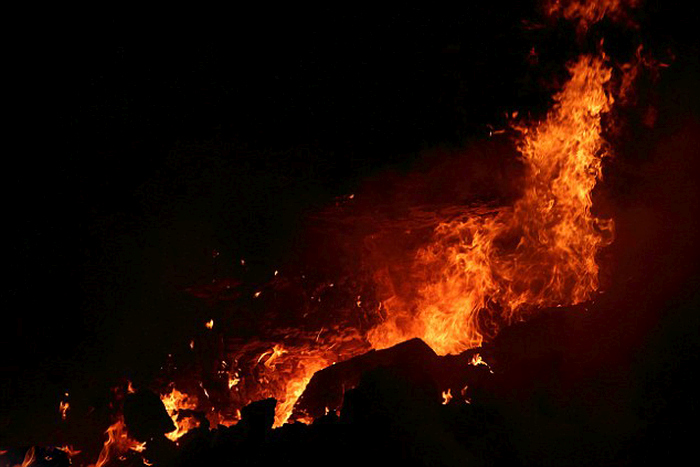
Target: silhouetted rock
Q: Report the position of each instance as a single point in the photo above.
(327, 387)
(145, 416)
(257, 418)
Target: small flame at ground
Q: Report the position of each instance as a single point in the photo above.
(174, 402)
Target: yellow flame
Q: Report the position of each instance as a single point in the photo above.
(117, 443)
(539, 252)
(174, 401)
(446, 396)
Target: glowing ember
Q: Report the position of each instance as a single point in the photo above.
(209, 324)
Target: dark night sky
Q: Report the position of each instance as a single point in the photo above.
(145, 142)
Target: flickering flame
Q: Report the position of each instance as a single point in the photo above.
(233, 380)
(29, 457)
(174, 402)
(70, 451)
(540, 252)
(481, 267)
(117, 443)
(477, 360)
(446, 396)
(63, 407)
(272, 355)
(294, 389)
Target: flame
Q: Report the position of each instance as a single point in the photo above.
(586, 12)
(29, 458)
(276, 352)
(174, 402)
(233, 380)
(446, 396)
(117, 443)
(540, 252)
(294, 389)
(481, 267)
(63, 407)
(70, 451)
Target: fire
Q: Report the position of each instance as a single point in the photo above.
(446, 396)
(117, 443)
(70, 451)
(480, 268)
(29, 458)
(588, 12)
(272, 355)
(63, 408)
(477, 360)
(495, 264)
(174, 402)
(294, 389)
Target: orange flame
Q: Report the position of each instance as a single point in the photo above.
(446, 396)
(29, 458)
(482, 267)
(117, 443)
(540, 252)
(70, 451)
(174, 402)
(587, 12)
(63, 407)
(295, 387)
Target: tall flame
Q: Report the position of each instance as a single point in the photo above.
(481, 267)
(539, 252)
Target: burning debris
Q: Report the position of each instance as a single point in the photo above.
(450, 343)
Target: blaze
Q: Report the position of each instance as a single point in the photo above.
(492, 265)
(480, 268)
